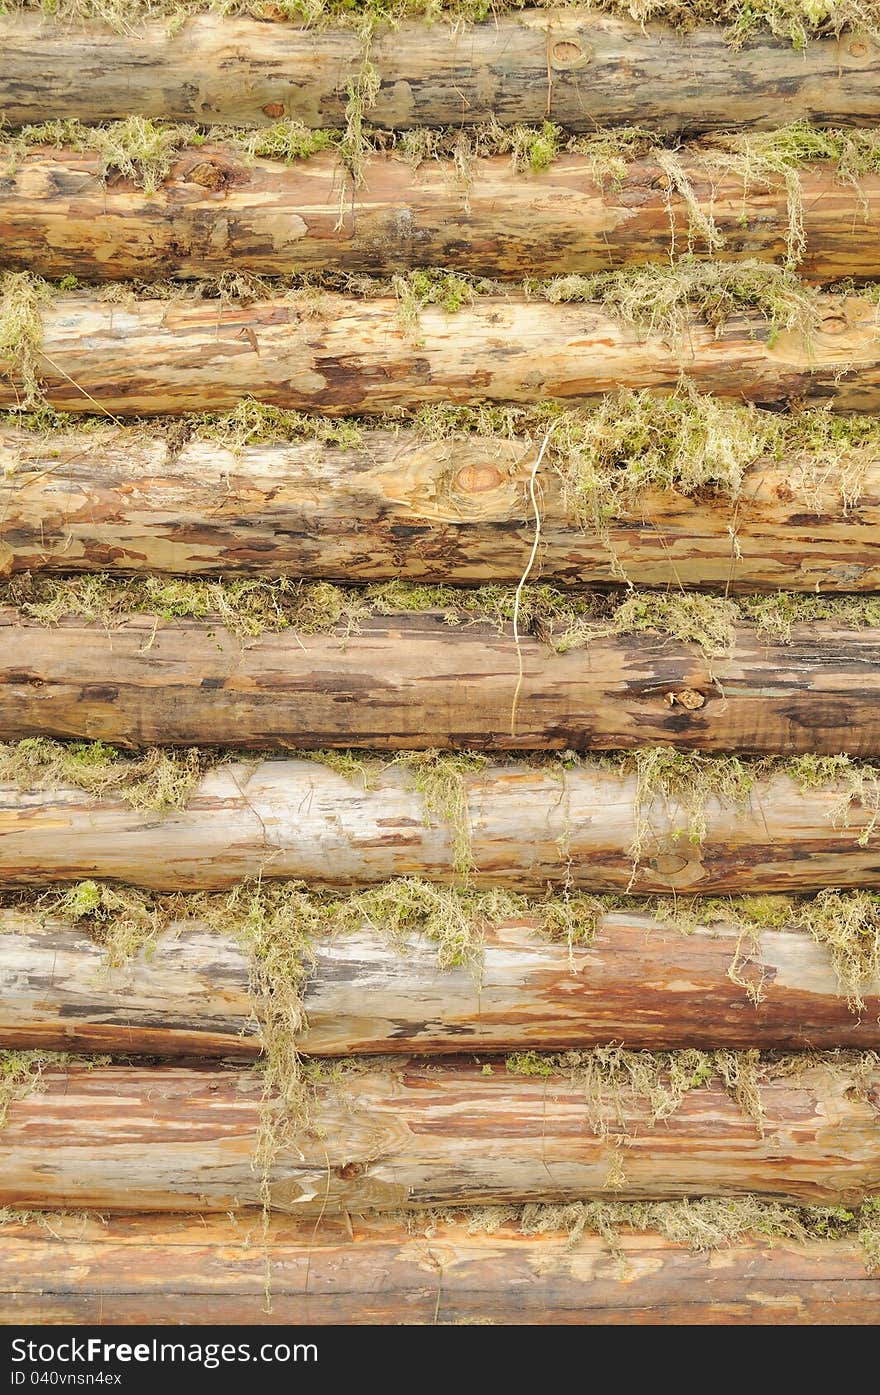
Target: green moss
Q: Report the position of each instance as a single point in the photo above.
(440, 779)
(685, 783)
(158, 781)
(427, 286)
(123, 920)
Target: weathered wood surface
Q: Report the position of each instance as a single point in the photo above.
(413, 681)
(580, 69)
(212, 1269)
(399, 506)
(161, 1138)
(639, 982)
(529, 828)
(338, 354)
(58, 217)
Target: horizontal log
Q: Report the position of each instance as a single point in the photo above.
(162, 1138)
(212, 1269)
(639, 981)
(565, 65)
(529, 828)
(415, 682)
(339, 354)
(399, 506)
(60, 217)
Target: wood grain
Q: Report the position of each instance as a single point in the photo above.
(212, 1269)
(396, 505)
(162, 1138)
(639, 982)
(337, 354)
(59, 217)
(530, 828)
(578, 68)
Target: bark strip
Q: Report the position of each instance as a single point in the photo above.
(396, 505)
(565, 65)
(123, 1138)
(58, 217)
(529, 828)
(639, 982)
(212, 1269)
(337, 354)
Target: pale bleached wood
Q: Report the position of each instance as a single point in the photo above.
(639, 982)
(124, 1138)
(530, 828)
(396, 505)
(563, 64)
(337, 354)
(212, 1269)
(60, 217)
(418, 682)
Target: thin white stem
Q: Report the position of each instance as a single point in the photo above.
(525, 576)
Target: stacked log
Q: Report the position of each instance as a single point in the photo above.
(373, 854)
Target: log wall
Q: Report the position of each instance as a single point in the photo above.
(529, 829)
(417, 682)
(563, 64)
(122, 1138)
(639, 982)
(212, 1269)
(59, 217)
(397, 505)
(338, 355)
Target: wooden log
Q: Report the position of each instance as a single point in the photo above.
(565, 65)
(529, 827)
(639, 982)
(59, 217)
(415, 682)
(163, 1138)
(212, 1269)
(339, 354)
(399, 506)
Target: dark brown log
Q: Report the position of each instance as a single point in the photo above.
(530, 828)
(639, 982)
(399, 506)
(212, 1269)
(567, 65)
(339, 354)
(59, 217)
(122, 1138)
(417, 682)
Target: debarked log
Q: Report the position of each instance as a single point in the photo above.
(163, 1138)
(639, 982)
(529, 828)
(338, 354)
(565, 65)
(397, 505)
(212, 1269)
(59, 217)
(414, 681)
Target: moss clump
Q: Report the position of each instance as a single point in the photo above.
(137, 148)
(252, 423)
(448, 290)
(441, 780)
(453, 919)
(158, 781)
(859, 782)
(685, 783)
(21, 1074)
(848, 925)
(774, 616)
(22, 297)
(687, 616)
(618, 1083)
(662, 299)
(121, 919)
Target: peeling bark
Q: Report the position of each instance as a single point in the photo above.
(579, 69)
(638, 982)
(119, 1138)
(212, 1269)
(338, 354)
(400, 506)
(58, 217)
(416, 682)
(530, 828)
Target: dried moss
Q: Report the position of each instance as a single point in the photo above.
(123, 920)
(440, 778)
(158, 781)
(662, 299)
(685, 783)
(21, 333)
(21, 1074)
